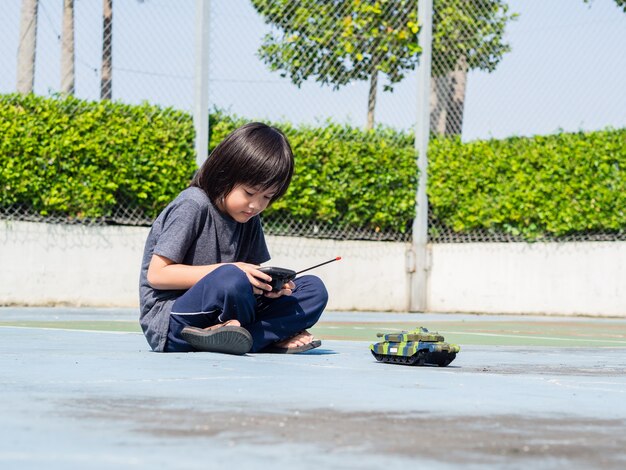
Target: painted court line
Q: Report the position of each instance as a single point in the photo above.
(496, 335)
(71, 329)
(155, 380)
(551, 338)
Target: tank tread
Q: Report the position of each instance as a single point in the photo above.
(441, 359)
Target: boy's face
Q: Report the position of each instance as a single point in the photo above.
(244, 202)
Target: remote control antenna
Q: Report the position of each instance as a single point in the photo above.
(321, 264)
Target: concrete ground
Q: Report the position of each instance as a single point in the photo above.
(79, 388)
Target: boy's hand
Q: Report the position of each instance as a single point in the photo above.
(286, 290)
(256, 278)
(259, 287)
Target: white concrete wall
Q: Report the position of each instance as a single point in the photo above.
(549, 278)
(48, 264)
(370, 275)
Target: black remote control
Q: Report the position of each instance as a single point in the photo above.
(281, 276)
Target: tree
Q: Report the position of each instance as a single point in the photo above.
(67, 48)
(27, 47)
(340, 41)
(106, 77)
(467, 35)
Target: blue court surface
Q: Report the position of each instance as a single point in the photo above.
(79, 388)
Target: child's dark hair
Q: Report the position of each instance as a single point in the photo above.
(255, 155)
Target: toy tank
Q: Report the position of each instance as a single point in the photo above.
(417, 347)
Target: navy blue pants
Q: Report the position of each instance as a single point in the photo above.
(226, 294)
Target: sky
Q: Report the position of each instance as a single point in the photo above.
(566, 70)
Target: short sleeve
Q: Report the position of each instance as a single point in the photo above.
(181, 225)
(258, 253)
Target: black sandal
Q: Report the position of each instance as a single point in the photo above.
(224, 339)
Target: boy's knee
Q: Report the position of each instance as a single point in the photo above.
(315, 286)
(232, 278)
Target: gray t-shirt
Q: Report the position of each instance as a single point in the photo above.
(191, 230)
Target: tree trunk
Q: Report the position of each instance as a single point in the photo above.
(67, 48)
(371, 101)
(106, 80)
(439, 96)
(447, 101)
(27, 47)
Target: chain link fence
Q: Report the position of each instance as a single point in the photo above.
(130, 50)
(500, 69)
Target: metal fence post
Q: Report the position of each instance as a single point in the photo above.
(418, 257)
(201, 85)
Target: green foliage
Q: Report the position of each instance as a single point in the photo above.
(340, 41)
(545, 185)
(352, 177)
(82, 159)
(473, 30)
(344, 175)
(78, 158)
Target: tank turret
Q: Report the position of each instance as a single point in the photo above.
(417, 347)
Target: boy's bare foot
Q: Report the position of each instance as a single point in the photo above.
(300, 342)
(300, 339)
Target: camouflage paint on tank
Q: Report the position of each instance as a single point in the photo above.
(416, 347)
(419, 334)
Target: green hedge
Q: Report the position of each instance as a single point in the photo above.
(532, 186)
(344, 176)
(547, 185)
(81, 159)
